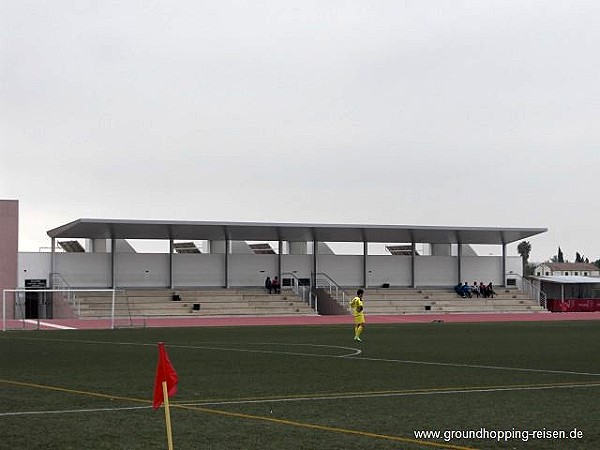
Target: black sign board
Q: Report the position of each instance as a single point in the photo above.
(35, 284)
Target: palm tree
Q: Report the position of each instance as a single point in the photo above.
(524, 249)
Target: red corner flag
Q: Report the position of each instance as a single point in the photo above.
(165, 372)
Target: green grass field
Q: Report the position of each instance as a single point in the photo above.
(303, 387)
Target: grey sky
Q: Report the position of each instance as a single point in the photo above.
(465, 113)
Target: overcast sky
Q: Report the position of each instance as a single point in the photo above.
(466, 113)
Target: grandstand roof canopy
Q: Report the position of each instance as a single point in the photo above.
(295, 232)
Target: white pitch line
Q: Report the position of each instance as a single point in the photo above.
(71, 411)
(389, 394)
(355, 351)
(49, 325)
(275, 352)
(346, 357)
(300, 399)
(479, 366)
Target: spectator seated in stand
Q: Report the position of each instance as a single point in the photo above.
(466, 289)
(490, 290)
(475, 289)
(483, 290)
(276, 286)
(268, 285)
(459, 289)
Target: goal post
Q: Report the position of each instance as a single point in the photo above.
(66, 309)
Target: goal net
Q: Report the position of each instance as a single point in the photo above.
(35, 309)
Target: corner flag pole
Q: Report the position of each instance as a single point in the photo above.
(167, 415)
(165, 384)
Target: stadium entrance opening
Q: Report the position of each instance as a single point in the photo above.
(35, 302)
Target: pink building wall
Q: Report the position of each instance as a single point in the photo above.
(9, 248)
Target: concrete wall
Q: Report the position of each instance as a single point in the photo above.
(203, 270)
(346, 270)
(473, 270)
(9, 248)
(251, 270)
(436, 271)
(89, 270)
(33, 266)
(299, 265)
(142, 270)
(192, 270)
(395, 270)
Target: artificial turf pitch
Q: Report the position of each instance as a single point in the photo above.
(304, 387)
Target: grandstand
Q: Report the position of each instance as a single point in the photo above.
(227, 276)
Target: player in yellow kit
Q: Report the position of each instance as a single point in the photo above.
(359, 315)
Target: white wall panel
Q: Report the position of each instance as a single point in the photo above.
(484, 268)
(142, 269)
(299, 265)
(84, 270)
(33, 266)
(514, 264)
(436, 271)
(395, 270)
(92, 270)
(193, 270)
(251, 270)
(345, 270)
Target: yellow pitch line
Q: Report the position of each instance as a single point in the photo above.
(303, 424)
(242, 416)
(403, 391)
(73, 391)
(323, 427)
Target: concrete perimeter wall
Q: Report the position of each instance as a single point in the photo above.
(92, 270)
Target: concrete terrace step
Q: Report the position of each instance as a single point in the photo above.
(138, 303)
(411, 301)
(376, 303)
(218, 292)
(256, 301)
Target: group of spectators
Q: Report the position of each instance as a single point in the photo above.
(480, 290)
(273, 286)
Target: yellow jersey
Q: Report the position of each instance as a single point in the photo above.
(354, 304)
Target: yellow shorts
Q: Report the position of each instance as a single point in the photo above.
(358, 319)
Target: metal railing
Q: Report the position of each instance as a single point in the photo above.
(301, 290)
(324, 281)
(531, 290)
(60, 284)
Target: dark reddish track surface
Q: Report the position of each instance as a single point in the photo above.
(206, 321)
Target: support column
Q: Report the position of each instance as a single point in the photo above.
(171, 285)
(365, 272)
(459, 262)
(226, 263)
(412, 265)
(113, 263)
(52, 262)
(279, 267)
(315, 251)
(504, 265)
